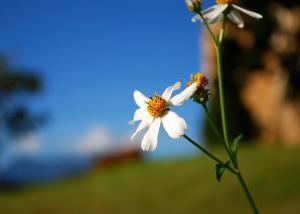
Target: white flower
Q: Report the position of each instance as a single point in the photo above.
(156, 110)
(216, 13)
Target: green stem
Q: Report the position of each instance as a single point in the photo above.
(209, 154)
(221, 93)
(217, 133)
(247, 192)
(223, 116)
(218, 46)
(214, 38)
(237, 173)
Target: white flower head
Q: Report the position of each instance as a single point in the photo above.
(156, 110)
(216, 13)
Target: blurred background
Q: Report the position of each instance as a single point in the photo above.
(68, 70)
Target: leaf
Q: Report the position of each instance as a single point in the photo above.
(220, 169)
(235, 144)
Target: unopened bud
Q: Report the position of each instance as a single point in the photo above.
(193, 5)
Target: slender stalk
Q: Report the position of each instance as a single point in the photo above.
(221, 92)
(218, 46)
(216, 132)
(218, 43)
(209, 154)
(223, 116)
(247, 192)
(237, 171)
(212, 35)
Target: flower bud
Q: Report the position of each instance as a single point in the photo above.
(193, 5)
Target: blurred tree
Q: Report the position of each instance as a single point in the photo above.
(265, 53)
(15, 86)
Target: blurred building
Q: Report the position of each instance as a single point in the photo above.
(261, 74)
(117, 157)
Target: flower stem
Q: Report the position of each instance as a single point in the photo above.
(247, 192)
(216, 132)
(221, 94)
(209, 154)
(223, 116)
(218, 45)
(212, 35)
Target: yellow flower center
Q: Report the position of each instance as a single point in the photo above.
(157, 106)
(200, 79)
(226, 1)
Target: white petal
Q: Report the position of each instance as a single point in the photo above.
(210, 9)
(214, 12)
(196, 18)
(209, 21)
(186, 94)
(236, 18)
(144, 124)
(168, 92)
(248, 12)
(139, 114)
(217, 19)
(174, 125)
(149, 141)
(131, 122)
(140, 99)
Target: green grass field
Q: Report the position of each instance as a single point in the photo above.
(180, 186)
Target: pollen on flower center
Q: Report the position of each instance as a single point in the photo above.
(157, 106)
(226, 1)
(200, 79)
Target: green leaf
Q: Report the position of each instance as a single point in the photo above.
(220, 169)
(235, 144)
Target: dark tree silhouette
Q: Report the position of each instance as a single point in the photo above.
(16, 86)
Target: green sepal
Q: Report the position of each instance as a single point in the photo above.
(201, 96)
(220, 169)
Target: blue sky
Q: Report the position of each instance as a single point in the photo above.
(92, 55)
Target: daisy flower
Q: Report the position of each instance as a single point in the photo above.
(156, 110)
(216, 13)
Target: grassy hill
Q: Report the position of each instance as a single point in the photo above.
(180, 186)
